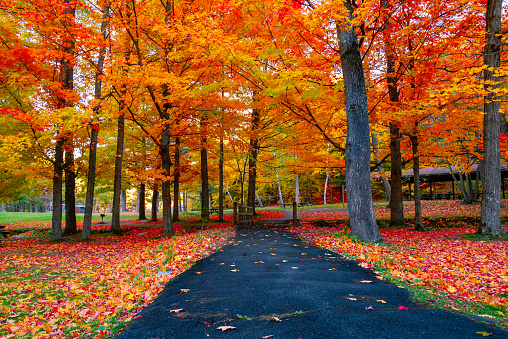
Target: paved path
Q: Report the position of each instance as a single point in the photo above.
(268, 273)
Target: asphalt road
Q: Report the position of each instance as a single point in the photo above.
(268, 284)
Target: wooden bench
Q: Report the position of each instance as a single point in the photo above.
(305, 203)
(289, 204)
(3, 231)
(214, 210)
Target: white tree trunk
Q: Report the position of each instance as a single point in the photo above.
(297, 188)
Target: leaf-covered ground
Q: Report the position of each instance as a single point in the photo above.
(430, 209)
(93, 289)
(449, 266)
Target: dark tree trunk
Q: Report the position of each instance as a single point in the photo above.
(70, 189)
(90, 186)
(491, 181)
(205, 192)
(416, 175)
(221, 179)
(396, 206)
(253, 158)
(117, 186)
(56, 218)
(379, 167)
(155, 202)
(357, 155)
(167, 225)
(176, 209)
(141, 205)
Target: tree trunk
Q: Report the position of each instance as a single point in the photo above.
(253, 158)
(396, 206)
(379, 167)
(70, 189)
(491, 181)
(141, 204)
(155, 202)
(176, 183)
(416, 175)
(221, 179)
(205, 191)
(167, 225)
(123, 199)
(259, 200)
(357, 156)
(327, 175)
(56, 218)
(281, 200)
(117, 186)
(297, 187)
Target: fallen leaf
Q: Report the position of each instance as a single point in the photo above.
(276, 319)
(225, 328)
(284, 261)
(451, 289)
(485, 334)
(198, 272)
(366, 281)
(267, 336)
(370, 308)
(352, 298)
(381, 301)
(332, 269)
(235, 270)
(184, 290)
(178, 310)
(401, 308)
(295, 268)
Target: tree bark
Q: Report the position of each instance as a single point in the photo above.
(221, 179)
(56, 217)
(253, 158)
(117, 185)
(70, 191)
(491, 198)
(167, 225)
(297, 187)
(396, 206)
(123, 199)
(176, 182)
(205, 191)
(357, 155)
(141, 204)
(155, 202)
(416, 175)
(379, 167)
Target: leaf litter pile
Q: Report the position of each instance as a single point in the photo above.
(75, 290)
(443, 265)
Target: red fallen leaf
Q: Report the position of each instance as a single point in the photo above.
(332, 269)
(136, 317)
(204, 323)
(447, 306)
(370, 308)
(226, 328)
(267, 336)
(176, 311)
(401, 308)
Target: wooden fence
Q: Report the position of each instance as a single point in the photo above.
(242, 214)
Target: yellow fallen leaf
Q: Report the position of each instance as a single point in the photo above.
(381, 301)
(485, 334)
(451, 289)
